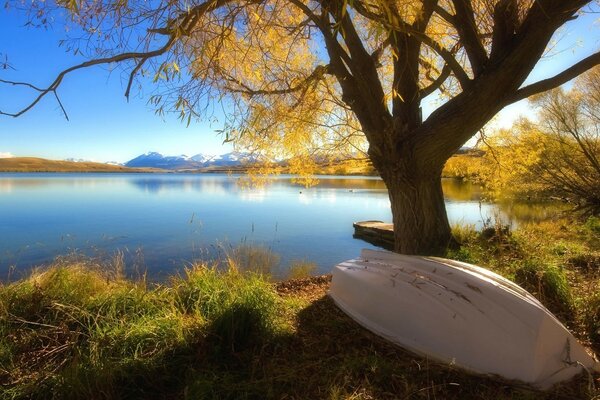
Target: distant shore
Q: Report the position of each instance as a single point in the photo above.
(34, 164)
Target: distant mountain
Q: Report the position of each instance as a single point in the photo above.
(82, 160)
(77, 160)
(202, 158)
(157, 160)
(232, 159)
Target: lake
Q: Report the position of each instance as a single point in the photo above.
(163, 221)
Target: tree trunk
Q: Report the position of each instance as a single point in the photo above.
(419, 213)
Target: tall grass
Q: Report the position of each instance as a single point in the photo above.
(77, 332)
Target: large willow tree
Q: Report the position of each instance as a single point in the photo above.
(306, 78)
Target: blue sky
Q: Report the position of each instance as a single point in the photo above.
(103, 126)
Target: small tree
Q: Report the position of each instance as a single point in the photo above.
(569, 165)
(557, 155)
(325, 76)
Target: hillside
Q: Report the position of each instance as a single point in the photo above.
(32, 164)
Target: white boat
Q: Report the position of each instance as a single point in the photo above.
(459, 314)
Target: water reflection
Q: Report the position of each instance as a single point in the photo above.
(458, 190)
(528, 211)
(161, 184)
(174, 218)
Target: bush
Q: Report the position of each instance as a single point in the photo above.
(549, 284)
(592, 320)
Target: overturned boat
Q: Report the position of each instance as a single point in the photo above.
(459, 314)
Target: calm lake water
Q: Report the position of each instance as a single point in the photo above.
(163, 221)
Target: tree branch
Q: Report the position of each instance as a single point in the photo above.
(465, 25)
(376, 55)
(557, 80)
(314, 76)
(427, 10)
(98, 61)
(401, 26)
(182, 25)
(436, 83)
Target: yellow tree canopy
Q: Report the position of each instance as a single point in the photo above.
(283, 68)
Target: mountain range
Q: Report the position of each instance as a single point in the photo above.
(183, 162)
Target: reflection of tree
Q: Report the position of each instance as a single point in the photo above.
(350, 183)
(530, 211)
(459, 190)
(201, 183)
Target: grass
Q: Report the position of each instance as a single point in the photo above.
(77, 330)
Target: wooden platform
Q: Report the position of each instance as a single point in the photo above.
(377, 233)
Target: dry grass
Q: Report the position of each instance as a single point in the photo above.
(32, 164)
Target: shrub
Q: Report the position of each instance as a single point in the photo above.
(464, 233)
(592, 320)
(549, 284)
(82, 333)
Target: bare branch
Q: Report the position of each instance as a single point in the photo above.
(436, 83)
(86, 64)
(21, 84)
(557, 80)
(61, 105)
(133, 74)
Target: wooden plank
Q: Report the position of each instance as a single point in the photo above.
(377, 233)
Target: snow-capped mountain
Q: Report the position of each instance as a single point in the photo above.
(202, 158)
(157, 160)
(71, 159)
(233, 158)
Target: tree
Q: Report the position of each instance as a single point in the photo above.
(570, 162)
(559, 155)
(306, 76)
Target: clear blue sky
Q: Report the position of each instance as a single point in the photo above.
(103, 126)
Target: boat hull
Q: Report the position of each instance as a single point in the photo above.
(459, 314)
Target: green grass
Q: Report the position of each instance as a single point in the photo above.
(74, 332)
(77, 330)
